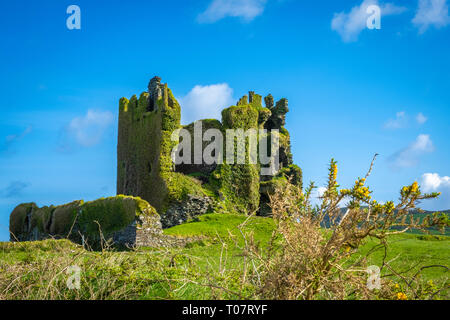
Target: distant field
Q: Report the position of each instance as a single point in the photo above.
(36, 270)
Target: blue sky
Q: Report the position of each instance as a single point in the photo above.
(352, 91)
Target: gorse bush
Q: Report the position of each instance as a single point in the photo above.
(314, 249)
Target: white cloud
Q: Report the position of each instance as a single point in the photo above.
(320, 191)
(400, 121)
(409, 156)
(420, 118)
(431, 13)
(423, 143)
(316, 194)
(433, 182)
(89, 129)
(349, 25)
(205, 102)
(219, 9)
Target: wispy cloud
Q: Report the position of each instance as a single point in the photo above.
(219, 9)
(400, 121)
(10, 140)
(433, 182)
(431, 13)
(409, 156)
(87, 130)
(350, 24)
(14, 189)
(205, 102)
(420, 118)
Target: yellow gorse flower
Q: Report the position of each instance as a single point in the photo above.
(412, 189)
(401, 296)
(389, 207)
(360, 191)
(335, 170)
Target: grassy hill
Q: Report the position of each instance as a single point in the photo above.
(37, 270)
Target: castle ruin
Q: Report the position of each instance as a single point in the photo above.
(153, 192)
(145, 167)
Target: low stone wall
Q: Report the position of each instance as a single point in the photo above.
(124, 220)
(180, 212)
(147, 232)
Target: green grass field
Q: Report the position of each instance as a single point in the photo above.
(407, 250)
(37, 270)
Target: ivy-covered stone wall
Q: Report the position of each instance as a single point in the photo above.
(117, 219)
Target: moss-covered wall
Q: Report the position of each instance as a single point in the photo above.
(138, 150)
(19, 220)
(144, 163)
(238, 184)
(78, 220)
(64, 217)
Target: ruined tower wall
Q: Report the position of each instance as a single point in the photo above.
(138, 150)
(144, 151)
(239, 183)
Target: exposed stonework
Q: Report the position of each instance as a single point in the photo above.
(147, 232)
(144, 231)
(277, 120)
(181, 212)
(155, 90)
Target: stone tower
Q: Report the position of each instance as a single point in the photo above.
(145, 167)
(144, 163)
